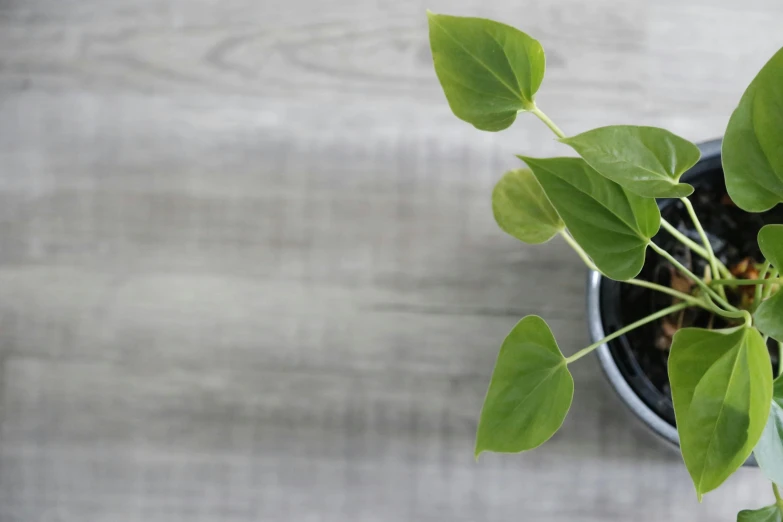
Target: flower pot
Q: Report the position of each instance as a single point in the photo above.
(635, 364)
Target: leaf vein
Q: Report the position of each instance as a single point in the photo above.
(720, 413)
(480, 62)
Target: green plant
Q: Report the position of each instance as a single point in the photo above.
(603, 203)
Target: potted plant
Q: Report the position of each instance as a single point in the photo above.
(636, 363)
(711, 305)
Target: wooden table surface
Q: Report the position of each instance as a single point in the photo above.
(249, 271)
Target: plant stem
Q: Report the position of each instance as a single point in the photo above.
(759, 294)
(641, 322)
(768, 287)
(570, 240)
(549, 123)
(695, 279)
(744, 282)
(706, 241)
(739, 314)
(685, 240)
(778, 500)
(564, 233)
(694, 301)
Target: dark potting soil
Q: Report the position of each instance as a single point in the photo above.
(643, 353)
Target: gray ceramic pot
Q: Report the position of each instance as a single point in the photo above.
(627, 394)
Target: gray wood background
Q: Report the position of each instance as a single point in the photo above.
(249, 272)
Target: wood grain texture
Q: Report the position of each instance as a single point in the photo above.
(249, 269)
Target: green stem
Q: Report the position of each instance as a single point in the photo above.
(744, 282)
(695, 279)
(549, 123)
(641, 322)
(570, 240)
(694, 301)
(778, 500)
(698, 249)
(759, 294)
(768, 287)
(739, 314)
(706, 241)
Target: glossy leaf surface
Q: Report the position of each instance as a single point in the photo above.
(721, 383)
(489, 71)
(530, 392)
(522, 209)
(614, 226)
(769, 315)
(771, 244)
(769, 450)
(753, 144)
(765, 514)
(647, 161)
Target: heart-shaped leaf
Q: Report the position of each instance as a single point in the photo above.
(648, 161)
(614, 226)
(771, 244)
(766, 514)
(721, 383)
(752, 152)
(530, 391)
(769, 450)
(489, 71)
(522, 209)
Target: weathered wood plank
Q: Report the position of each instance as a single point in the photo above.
(123, 442)
(249, 270)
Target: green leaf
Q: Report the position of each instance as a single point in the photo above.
(648, 161)
(769, 450)
(530, 391)
(766, 514)
(752, 151)
(612, 225)
(769, 316)
(489, 71)
(771, 244)
(522, 209)
(721, 383)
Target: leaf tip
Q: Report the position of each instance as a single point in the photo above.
(432, 19)
(478, 451)
(526, 159)
(684, 190)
